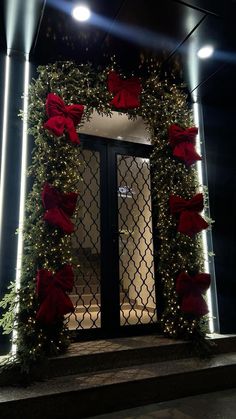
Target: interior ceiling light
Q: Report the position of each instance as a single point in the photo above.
(205, 52)
(81, 13)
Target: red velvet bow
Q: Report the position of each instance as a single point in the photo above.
(190, 222)
(51, 290)
(126, 91)
(59, 207)
(183, 142)
(62, 117)
(190, 289)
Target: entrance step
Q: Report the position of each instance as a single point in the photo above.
(95, 308)
(86, 289)
(86, 299)
(84, 394)
(97, 355)
(107, 354)
(87, 280)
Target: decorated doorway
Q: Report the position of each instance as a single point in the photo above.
(114, 291)
(88, 245)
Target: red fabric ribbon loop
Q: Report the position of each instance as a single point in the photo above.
(63, 118)
(183, 143)
(51, 291)
(126, 92)
(59, 207)
(190, 289)
(190, 222)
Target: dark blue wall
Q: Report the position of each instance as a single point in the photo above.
(220, 140)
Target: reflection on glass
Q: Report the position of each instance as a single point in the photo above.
(137, 285)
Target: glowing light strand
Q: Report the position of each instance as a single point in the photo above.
(4, 138)
(22, 187)
(213, 325)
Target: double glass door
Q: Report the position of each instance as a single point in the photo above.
(114, 290)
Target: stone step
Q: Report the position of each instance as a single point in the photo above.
(87, 279)
(86, 288)
(87, 272)
(95, 308)
(128, 351)
(86, 299)
(98, 355)
(87, 275)
(83, 250)
(91, 298)
(91, 308)
(86, 394)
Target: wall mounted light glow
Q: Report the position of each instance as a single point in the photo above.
(205, 52)
(22, 186)
(81, 13)
(4, 139)
(206, 236)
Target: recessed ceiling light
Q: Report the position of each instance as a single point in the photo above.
(81, 13)
(205, 52)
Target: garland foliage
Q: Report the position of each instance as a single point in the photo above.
(56, 161)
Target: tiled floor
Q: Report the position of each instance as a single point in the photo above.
(219, 405)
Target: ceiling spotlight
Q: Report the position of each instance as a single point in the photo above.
(81, 13)
(205, 52)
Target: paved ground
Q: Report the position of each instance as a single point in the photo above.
(219, 405)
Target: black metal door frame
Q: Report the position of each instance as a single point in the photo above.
(110, 288)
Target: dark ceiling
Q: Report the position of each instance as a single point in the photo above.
(169, 31)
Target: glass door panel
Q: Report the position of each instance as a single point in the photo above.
(86, 294)
(136, 261)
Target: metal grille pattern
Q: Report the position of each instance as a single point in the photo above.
(86, 247)
(137, 285)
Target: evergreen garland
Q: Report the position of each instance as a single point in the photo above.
(56, 160)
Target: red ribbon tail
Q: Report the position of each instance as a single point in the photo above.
(125, 100)
(54, 307)
(187, 153)
(191, 223)
(55, 125)
(47, 311)
(118, 101)
(194, 304)
(66, 305)
(72, 134)
(57, 217)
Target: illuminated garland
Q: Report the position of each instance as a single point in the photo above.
(56, 161)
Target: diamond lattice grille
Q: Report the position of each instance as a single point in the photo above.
(86, 246)
(137, 285)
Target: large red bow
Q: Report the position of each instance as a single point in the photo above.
(51, 290)
(59, 207)
(190, 222)
(190, 289)
(183, 142)
(62, 117)
(126, 91)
